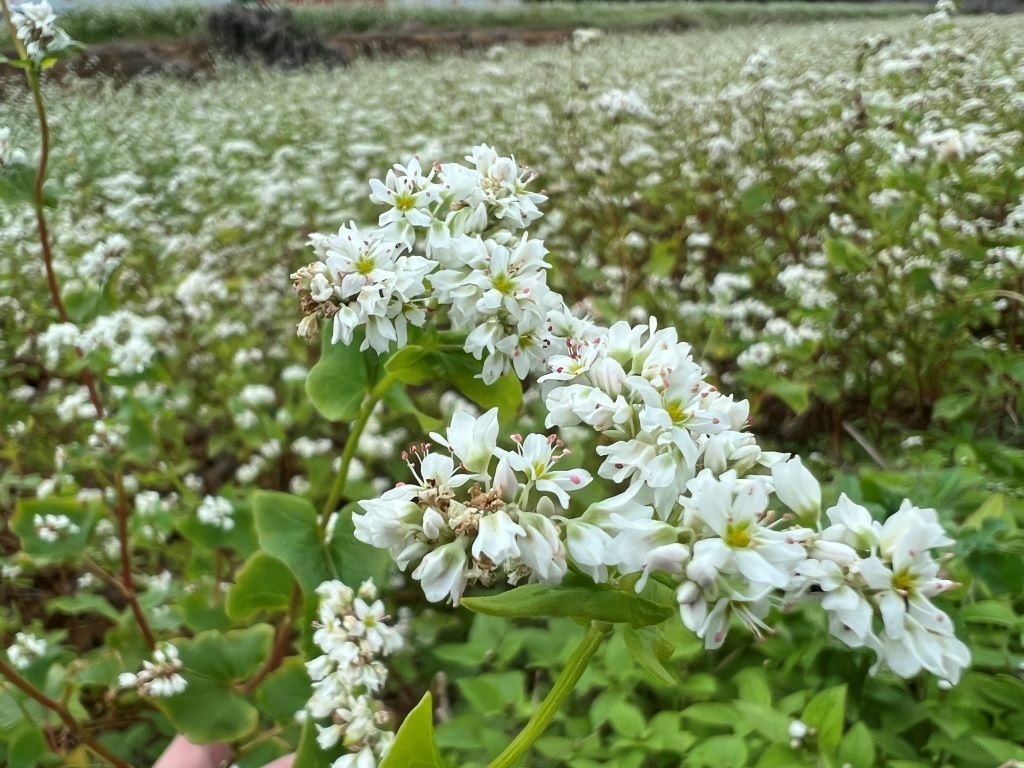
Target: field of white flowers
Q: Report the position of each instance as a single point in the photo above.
(831, 215)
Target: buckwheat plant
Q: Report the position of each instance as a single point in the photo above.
(583, 466)
(694, 518)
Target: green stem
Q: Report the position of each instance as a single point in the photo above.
(351, 444)
(62, 712)
(564, 685)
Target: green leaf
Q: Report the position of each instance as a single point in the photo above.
(69, 546)
(264, 583)
(412, 365)
(207, 712)
(417, 365)
(84, 602)
(771, 724)
(226, 657)
(355, 561)
(285, 691)
(712, 713)
(309, 754)
(825, 712)
(952, 407)
(212, 662)
(647, 646)
(288, 529)
(991, 612)
(794, 394)
(338, 382)
(506, 394)
(17, 183)
(718, 752)
(858, 747)
(581, 603)
(26, 746)
(414, 745)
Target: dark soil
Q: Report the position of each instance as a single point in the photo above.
(124, 61)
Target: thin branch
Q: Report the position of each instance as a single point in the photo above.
(866, 444)
(62, 712)
(281, 642)
(127, 580)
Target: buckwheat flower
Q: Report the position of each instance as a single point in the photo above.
(443, 572)
(294, 373)
(255, 395)
(498, 538)
(735, 511)
(216, 511)
(541, 549)
(504, 186)
(158, 678)
(798, 730)
(352, 634)
(472, 440)
(796, 487)
(35, 26)
(410, 195)
(26, 649)
(535, 456)
(9, 154)
(52, 528)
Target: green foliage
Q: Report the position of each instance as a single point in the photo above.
(288, 529)
(263, 583)
(583, 604)
(210, 709)
(100, 24)
(338, 382)
(654, 698)
(66, 549)
(414, 744)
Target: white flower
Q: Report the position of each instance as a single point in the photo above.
(498, 537)
(472, 439)
(535, 457)
(797, 489)
(216, 511)
(51, 528)
(26, 649)
(541, 548)
(157, 678)
(442, 572)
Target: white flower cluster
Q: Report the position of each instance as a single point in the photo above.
(9, 154)
(216, 511)
(449, 238)
(124, 337)
(348, 678)
(36, 27)
(468, 526)
(732, 528)
(26, 649)
(52, 528)
(159, 677)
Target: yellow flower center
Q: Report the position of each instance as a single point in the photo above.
(903, 581)
(737, 535)
(405, 202)
(675, 411)
(503, 284)
(365, 265)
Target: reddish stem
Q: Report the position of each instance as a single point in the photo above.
(62, 712)
(281, 641)
(126, 565)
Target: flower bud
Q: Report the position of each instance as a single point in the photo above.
(797, 489)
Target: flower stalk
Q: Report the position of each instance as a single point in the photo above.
(563, 686)
(351, 445)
